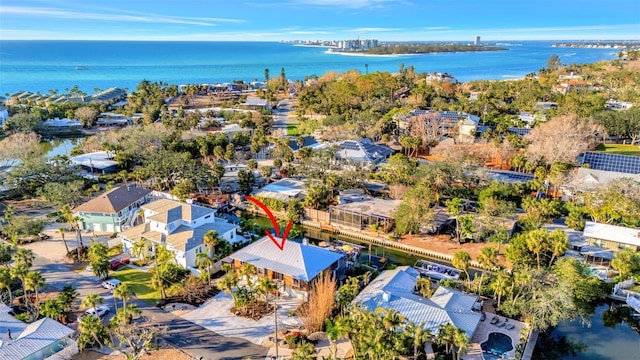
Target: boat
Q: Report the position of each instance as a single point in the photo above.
(81, 67)
(436, 271)
(633, 302)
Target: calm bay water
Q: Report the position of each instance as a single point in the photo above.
(44, 65)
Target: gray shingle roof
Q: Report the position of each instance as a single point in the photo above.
(303, 262)
(113, 201)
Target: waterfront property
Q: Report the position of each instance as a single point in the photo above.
(112, 210)
(294, 267)
(282, 190)
(35, 341)
(360, 211)
(396, 290)
(611, 237)
(180, 227)
(100, 162)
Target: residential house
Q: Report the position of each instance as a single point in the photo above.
(4, 115)
(36, 341)
(363, 151)
(441, 123)
(180, 227)
(307, 141)
(585, 179)
(610, 162)
(611, 237)
(283, 190)
(62, 124)
(100, 162)
(617, 105)
(293, 268)
(255, 103)
(361, 211)
(113, 210)
(395, 290)
(231, 129)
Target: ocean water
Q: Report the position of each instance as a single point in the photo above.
(44, 65)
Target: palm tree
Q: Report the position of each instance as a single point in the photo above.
(61, 232)
(20, 271)
(446, 336)
(52, 309)
(211, 239)
(461, 342)
(24, 256)
(33, 281)
(73, 221)
(558, 242)
(418, 337)
(204, 262)
(140, 213)
(248, 271)
(123, 292)
(6, 279)
(500, 285)
(423, 286)
(265, 286)
(228, 283)
(461, 260)
(91, 301)
(537, 242)
(488, 258)
(139, 248)
(5, 254)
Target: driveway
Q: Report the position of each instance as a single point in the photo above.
(199, 342)
(215, 316)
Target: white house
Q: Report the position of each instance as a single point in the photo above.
(38, 340)
(4, 115)
(395, 290)
(611, 236)
(180, 227)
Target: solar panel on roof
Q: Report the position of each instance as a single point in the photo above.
(519, 131)
(611, 162)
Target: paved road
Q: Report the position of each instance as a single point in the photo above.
(182, 334)
(281, 116)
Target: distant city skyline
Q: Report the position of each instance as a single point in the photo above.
(286, 20)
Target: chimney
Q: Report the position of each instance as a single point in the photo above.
(305, 241)
(385, 297)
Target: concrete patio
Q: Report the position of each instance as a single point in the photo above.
(482, 334)
(215, 315)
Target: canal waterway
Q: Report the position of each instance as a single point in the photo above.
(610, 336)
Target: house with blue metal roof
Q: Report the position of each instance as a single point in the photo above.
(293, 268)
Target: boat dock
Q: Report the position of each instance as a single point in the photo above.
(436, 271)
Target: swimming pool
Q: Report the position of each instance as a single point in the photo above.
(496, 345)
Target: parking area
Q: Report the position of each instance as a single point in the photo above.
(215, 316)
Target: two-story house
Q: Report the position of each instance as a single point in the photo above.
(180, 227)
(112, 210)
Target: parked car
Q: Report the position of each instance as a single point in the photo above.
(100, 310)
(111, 284)
(114, 264)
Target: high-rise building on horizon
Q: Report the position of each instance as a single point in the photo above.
(477, 41)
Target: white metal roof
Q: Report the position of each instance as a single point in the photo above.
(303, 262)
(619, 234)
(35, 337)
(393, 290)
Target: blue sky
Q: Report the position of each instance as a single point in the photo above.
(266, 20)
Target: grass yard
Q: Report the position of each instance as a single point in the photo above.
(139, 282)
(633, 150)
(292, 130)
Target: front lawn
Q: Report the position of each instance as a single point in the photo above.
(292, 130)
(139, 282)
(633, 150)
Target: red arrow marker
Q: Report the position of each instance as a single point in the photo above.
(264, 207)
